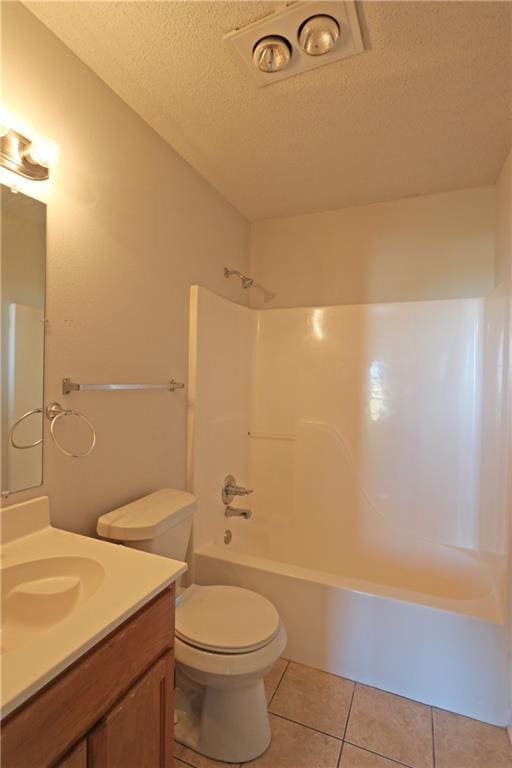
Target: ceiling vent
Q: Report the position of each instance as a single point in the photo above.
(303, 36)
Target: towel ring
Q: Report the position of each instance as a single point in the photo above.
(55, 411)
(16, 423)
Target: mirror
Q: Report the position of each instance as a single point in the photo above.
(23, 263)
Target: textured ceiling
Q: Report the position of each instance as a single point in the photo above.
(426, 108)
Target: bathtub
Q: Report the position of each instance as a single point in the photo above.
(426, 623)
(373, 437)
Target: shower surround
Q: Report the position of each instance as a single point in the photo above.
(374, 437)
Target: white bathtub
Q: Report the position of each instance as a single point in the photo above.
(374, 438)
(430, 628)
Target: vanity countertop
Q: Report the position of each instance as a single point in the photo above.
(61, 594)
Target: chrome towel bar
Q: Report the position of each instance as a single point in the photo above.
(72, 386)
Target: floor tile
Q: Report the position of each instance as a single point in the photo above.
(273, 677)
(192, 758)
(354, 757)
(392, 726)
(464, 743)
(294, 746)
(314, 698)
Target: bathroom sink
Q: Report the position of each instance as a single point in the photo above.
(38, 594)
(61, 593)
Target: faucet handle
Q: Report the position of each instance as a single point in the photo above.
(230, 489)
(239, 490)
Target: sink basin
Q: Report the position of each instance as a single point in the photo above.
(38, 594)
(61, 593)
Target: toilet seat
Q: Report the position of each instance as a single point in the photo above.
(225, 620)
(231, 665)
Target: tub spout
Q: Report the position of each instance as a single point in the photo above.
(232, 512)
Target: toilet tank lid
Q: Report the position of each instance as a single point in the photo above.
(148, 517)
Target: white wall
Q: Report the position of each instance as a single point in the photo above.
(130, 227)
(504, 271)
(431, 247)
(220, 384)
(373, 418)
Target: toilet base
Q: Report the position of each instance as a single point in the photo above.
(227, 724)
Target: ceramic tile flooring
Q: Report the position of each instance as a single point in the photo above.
(323, 721)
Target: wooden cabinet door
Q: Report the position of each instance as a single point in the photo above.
(138, 732)
(77, 758)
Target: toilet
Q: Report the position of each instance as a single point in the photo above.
(227, 638)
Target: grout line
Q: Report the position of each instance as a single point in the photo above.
(339, 756)
(191, 765)
(466, 717)
(433, 738)
(379, 754)
(338, 764)
(384, 690)
(308, 727)
(346, 724)
(285, 670)
(392, 693)
(182, 761)
(349, 710)
(331, 674)
(400, 696)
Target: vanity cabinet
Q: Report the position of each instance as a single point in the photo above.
(113, 708)
(77, 758)
(135, 732)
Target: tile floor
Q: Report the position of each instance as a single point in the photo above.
(324, 721)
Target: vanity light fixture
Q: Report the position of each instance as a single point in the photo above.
(27, 157)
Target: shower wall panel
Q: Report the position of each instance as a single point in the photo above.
(376, 432)
(219, 392)
(375, 417)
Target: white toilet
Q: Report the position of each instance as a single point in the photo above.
(227, 638)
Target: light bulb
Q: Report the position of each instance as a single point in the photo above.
(4, 122)
(319, 35)
(42, 151)
(272, 54)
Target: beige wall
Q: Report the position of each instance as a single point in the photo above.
(504, 222)
(130, 227)
(436, 246)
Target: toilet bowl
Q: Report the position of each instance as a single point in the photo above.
(227, 638)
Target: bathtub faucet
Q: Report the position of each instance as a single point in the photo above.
(230, 489)
(232, 512)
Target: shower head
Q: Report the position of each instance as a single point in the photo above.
(246, 281)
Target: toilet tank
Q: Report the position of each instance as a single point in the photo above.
(160, 523)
